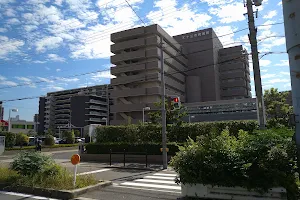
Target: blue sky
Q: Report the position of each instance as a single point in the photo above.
(54, 41)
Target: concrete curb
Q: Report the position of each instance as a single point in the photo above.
(56, 194)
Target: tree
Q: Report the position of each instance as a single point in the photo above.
(22, 139)
(49, 140)
(69, 136)
(77, 133)
(275, 103)
(171, 116)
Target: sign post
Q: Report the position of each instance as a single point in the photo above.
(75, 160)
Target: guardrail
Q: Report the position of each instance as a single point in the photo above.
(125, 153)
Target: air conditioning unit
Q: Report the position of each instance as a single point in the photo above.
(257, 2)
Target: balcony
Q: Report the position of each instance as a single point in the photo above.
(92, 101)
(97, 113)
(64, 110)
(96, 120)
(97, 108)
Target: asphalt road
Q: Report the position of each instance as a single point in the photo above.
(131, 184)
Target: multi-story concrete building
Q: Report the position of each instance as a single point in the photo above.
(234, 73)
(138, 83)
(76, 107)
(196, 66)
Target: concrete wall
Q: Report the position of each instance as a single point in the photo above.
(201, 51)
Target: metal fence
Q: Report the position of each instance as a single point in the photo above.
(2, 144)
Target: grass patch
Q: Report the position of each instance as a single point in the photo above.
(60, 180)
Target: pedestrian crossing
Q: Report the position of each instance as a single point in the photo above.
(163, 181)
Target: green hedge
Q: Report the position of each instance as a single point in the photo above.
(152, 133)
(151, 149)
(44, 146)
(258, 161)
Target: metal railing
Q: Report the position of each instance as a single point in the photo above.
(125, 153)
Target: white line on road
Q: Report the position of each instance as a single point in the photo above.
(151, 185)
(156, 181)
(160, 177)
(160, 174)
(25, 195)
(147, 189)
(93, 172)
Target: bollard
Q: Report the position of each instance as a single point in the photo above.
(124, 157)
(110, 158)
(146, 159)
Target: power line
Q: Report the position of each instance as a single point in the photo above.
(138, 80)
(135, 12)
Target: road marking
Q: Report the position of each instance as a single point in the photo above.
(25, 195)
(148, 189)
(93, 172)
(160, 177)
(171, 175)
(156, 181)
(151, 185)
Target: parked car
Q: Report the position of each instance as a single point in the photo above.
(31, 141)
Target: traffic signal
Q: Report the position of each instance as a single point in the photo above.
(176, 103)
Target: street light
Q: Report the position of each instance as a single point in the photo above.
(191, 117)
(104, 118)
(9, 120)
(146, 108)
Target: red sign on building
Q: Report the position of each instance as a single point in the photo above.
(3, 123)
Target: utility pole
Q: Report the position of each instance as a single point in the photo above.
(256, 69)
(291, 13)
(163, 108)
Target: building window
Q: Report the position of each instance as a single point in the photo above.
(30, 127)
(18, 126)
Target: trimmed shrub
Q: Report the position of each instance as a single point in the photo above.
(22, 139)
(49, 140)
(151, 133)
(151, 149)
(258, 161)
(28, 163)
(10, 139)
(69, 136)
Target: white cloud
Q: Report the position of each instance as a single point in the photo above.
(69, 79)
(5, 82)
(285, 73)
(217, 2)
(58, 2)
(229, 13)
(182, 20)
(278, 80)
(270, 14)
(9, 46)
(47, 68)
(227, 40)
(6, 1)
(3, 30)
(279, 3)
(26, 81)
(44, 79)
(47, 43)
(13, 21)
(98, 76)
(10, 13)
(53, 87)
(264, 63)
(267, 76)
(39, 61)
(58, 70)
(55, 57)
(283, 63)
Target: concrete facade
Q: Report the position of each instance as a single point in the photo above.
(137, 69)
(22, 127)
(79, 107)
(234, 73)
(194, 65)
